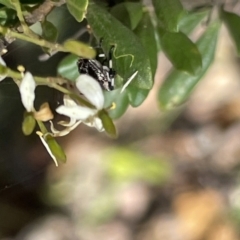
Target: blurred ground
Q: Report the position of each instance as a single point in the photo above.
(169, 176)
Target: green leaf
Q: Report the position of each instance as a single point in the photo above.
(129, 53)
(146, 33)
(79, 48)
(190, 20)
(28, 123)
(56, 149)
(120, 12)
(179, 85)
(77, 8)
(120, 101)
(108, 124)
(128, 13)
(8, 17)
(7, 3)
(182, 52)
(135, 11)
(49, 31)
(232, 22)
(51, 145)
(3, 70)
(169, 13)
(136, 96)
(67, 68)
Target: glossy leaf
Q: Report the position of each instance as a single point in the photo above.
(120, 101)
(56, 149)
(146, 33)
(28, 123)
(51, 145)
(49, 31)
(135, 11)
(120, 12)
(190, 20)
(129, 53)
(179, 85)
(136, 96)
(232, 22)
(128, 13)
(169, 13)
(108, 124)
(77, 8)
(67, 68)
(182, 52)
(79, 48)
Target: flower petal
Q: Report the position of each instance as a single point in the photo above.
(68, 101)
(96, 123)
(27, 88)
(44, 113)
(76, 112)
(67, 124)
(64, 132)
(2, 63)
(91, 89)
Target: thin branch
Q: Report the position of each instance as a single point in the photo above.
(41, 11)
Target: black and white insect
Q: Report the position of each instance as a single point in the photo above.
(99, 68)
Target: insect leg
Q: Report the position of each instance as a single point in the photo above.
(112, 72)
(101, 57)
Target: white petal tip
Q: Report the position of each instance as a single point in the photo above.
(27, 91)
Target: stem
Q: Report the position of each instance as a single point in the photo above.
(49, 81)
(42, 127)
(53, 82)
(37, 41)
(25, 27)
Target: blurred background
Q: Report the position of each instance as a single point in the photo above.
(169, 176)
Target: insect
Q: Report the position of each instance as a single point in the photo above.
(99, 68)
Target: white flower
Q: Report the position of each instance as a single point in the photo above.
(27, 88)
(3, 64)
(92, 91)
(67, 101)
(76, 112)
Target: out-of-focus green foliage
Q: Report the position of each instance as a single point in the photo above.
(182, 52)
(179, 85)
(126, 166)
